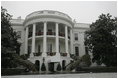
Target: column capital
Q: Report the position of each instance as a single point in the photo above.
(33, 23)
(57, 22)
(45, 21)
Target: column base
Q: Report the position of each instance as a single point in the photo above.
(68, 55)
(31, 55)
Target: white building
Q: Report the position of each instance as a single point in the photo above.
(50, 37)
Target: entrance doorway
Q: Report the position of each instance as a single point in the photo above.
(37, 63)
(51, 66)
(64, 64)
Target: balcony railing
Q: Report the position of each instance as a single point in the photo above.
(39, 33)
(37, 54)
(63, 54)
(51, 53)
(50, 33)
(61, 34)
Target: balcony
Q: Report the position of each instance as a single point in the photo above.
(39, 33)
(63, 54)
(37, 54)
(50, 33)
(61, 34)
(51, 53)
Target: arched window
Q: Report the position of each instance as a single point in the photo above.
(64, 64)
(37, 64)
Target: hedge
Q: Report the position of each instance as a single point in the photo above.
(15, 71)
(98, 69)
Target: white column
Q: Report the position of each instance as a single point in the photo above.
(66, 40)
(26, 40)
(71, 41)
(44, 54)
(33, 40)
(57, 38)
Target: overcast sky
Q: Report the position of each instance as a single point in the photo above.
(82, 12)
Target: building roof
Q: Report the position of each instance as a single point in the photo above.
(81, 25)
(17, 21)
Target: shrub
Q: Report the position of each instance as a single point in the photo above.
(99, 69)
(43, 68)
(25, 57)
(86, 60)
(73, 65)
(59, 67)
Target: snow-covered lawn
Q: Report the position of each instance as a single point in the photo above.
(79, 75)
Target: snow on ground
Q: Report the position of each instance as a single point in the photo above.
(77, 75)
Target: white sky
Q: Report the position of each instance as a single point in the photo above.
(82, 12)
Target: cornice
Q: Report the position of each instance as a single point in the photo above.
(47, 16)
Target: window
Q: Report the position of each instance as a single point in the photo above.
(77, 51)
(38, 48)
(49, 47)
(29, 50)
(76, 36)
(19, 34)
(49, 30)
(39, 31)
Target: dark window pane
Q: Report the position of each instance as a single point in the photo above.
(76, 36)
(77, 51)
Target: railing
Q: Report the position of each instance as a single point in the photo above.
(39, 33)
(63, 54)
(51, 53)
(61, 34)
(37, 54)
(50, 33)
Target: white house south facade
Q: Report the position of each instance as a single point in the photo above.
(50, 37)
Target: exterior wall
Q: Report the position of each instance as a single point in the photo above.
(17, 25)
(80, 29)
(65, 45)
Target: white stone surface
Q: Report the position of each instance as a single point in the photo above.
(79, 75)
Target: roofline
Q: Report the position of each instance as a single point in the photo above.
(49, 10)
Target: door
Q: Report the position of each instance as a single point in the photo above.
(51, 66)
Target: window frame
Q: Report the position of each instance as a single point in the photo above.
(76, 36)
(77, 50)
